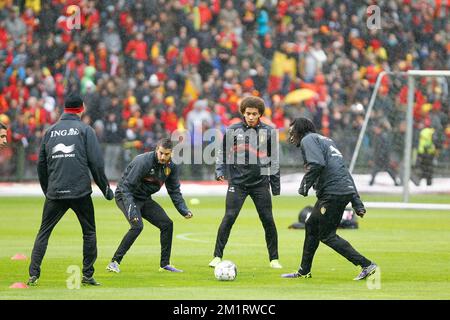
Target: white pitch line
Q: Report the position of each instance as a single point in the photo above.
(186, 236)
(410, 206)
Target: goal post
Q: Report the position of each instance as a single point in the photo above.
(411, 76)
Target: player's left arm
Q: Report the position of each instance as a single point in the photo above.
(221, 159)
(173, 188)
(42, 168)
(357, 203)
(273, 153)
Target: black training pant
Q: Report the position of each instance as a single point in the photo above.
(153, 213)
(54, 210)
(322, 225)
(236, 196)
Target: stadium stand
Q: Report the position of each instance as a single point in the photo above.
(143, 67)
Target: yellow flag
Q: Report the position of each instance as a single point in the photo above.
(35, 5)
(281, 64)
(277, 64)
(154, 52)
(189, 90)
(197, 21)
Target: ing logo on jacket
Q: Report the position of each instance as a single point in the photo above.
(63, 133)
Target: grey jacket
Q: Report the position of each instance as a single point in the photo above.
(69, 153)
(325, 169)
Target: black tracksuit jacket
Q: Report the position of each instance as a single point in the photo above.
(68, 153)
(257, 144)
(326, 170)
(145, 176)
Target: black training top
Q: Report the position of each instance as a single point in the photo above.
(248, 156)
(145, 176)
(69, 151)
(325, 167)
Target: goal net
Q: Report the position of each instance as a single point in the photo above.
(405, 136)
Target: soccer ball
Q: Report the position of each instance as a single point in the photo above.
(225, 271)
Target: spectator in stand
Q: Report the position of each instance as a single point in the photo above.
(112, 38)
(113, 138)
(228, 13)
(136, 50)
(198, 121)
(168, 116)
(15, 25)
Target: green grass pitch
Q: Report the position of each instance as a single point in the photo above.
(412, 249)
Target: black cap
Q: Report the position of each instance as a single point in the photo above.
(73, 100)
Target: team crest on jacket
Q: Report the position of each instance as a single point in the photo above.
(323, 210)
(262, 137)
(167, 171)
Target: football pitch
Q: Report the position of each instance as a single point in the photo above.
(412, 249)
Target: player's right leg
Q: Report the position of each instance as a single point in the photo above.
(53, 211)
(311, 239)
(132, 234)
(310, 244)
(234, 200)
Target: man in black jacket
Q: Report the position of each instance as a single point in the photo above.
(69, 151)
(335, 188)
(144, 176)
(249, 158)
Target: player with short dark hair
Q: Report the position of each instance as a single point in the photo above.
(144, 176)
(326, 172)
(249, 140)
(3, 136)
(69, 153)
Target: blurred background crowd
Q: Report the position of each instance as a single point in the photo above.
(148, 67)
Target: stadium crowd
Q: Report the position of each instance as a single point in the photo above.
(146, 68)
